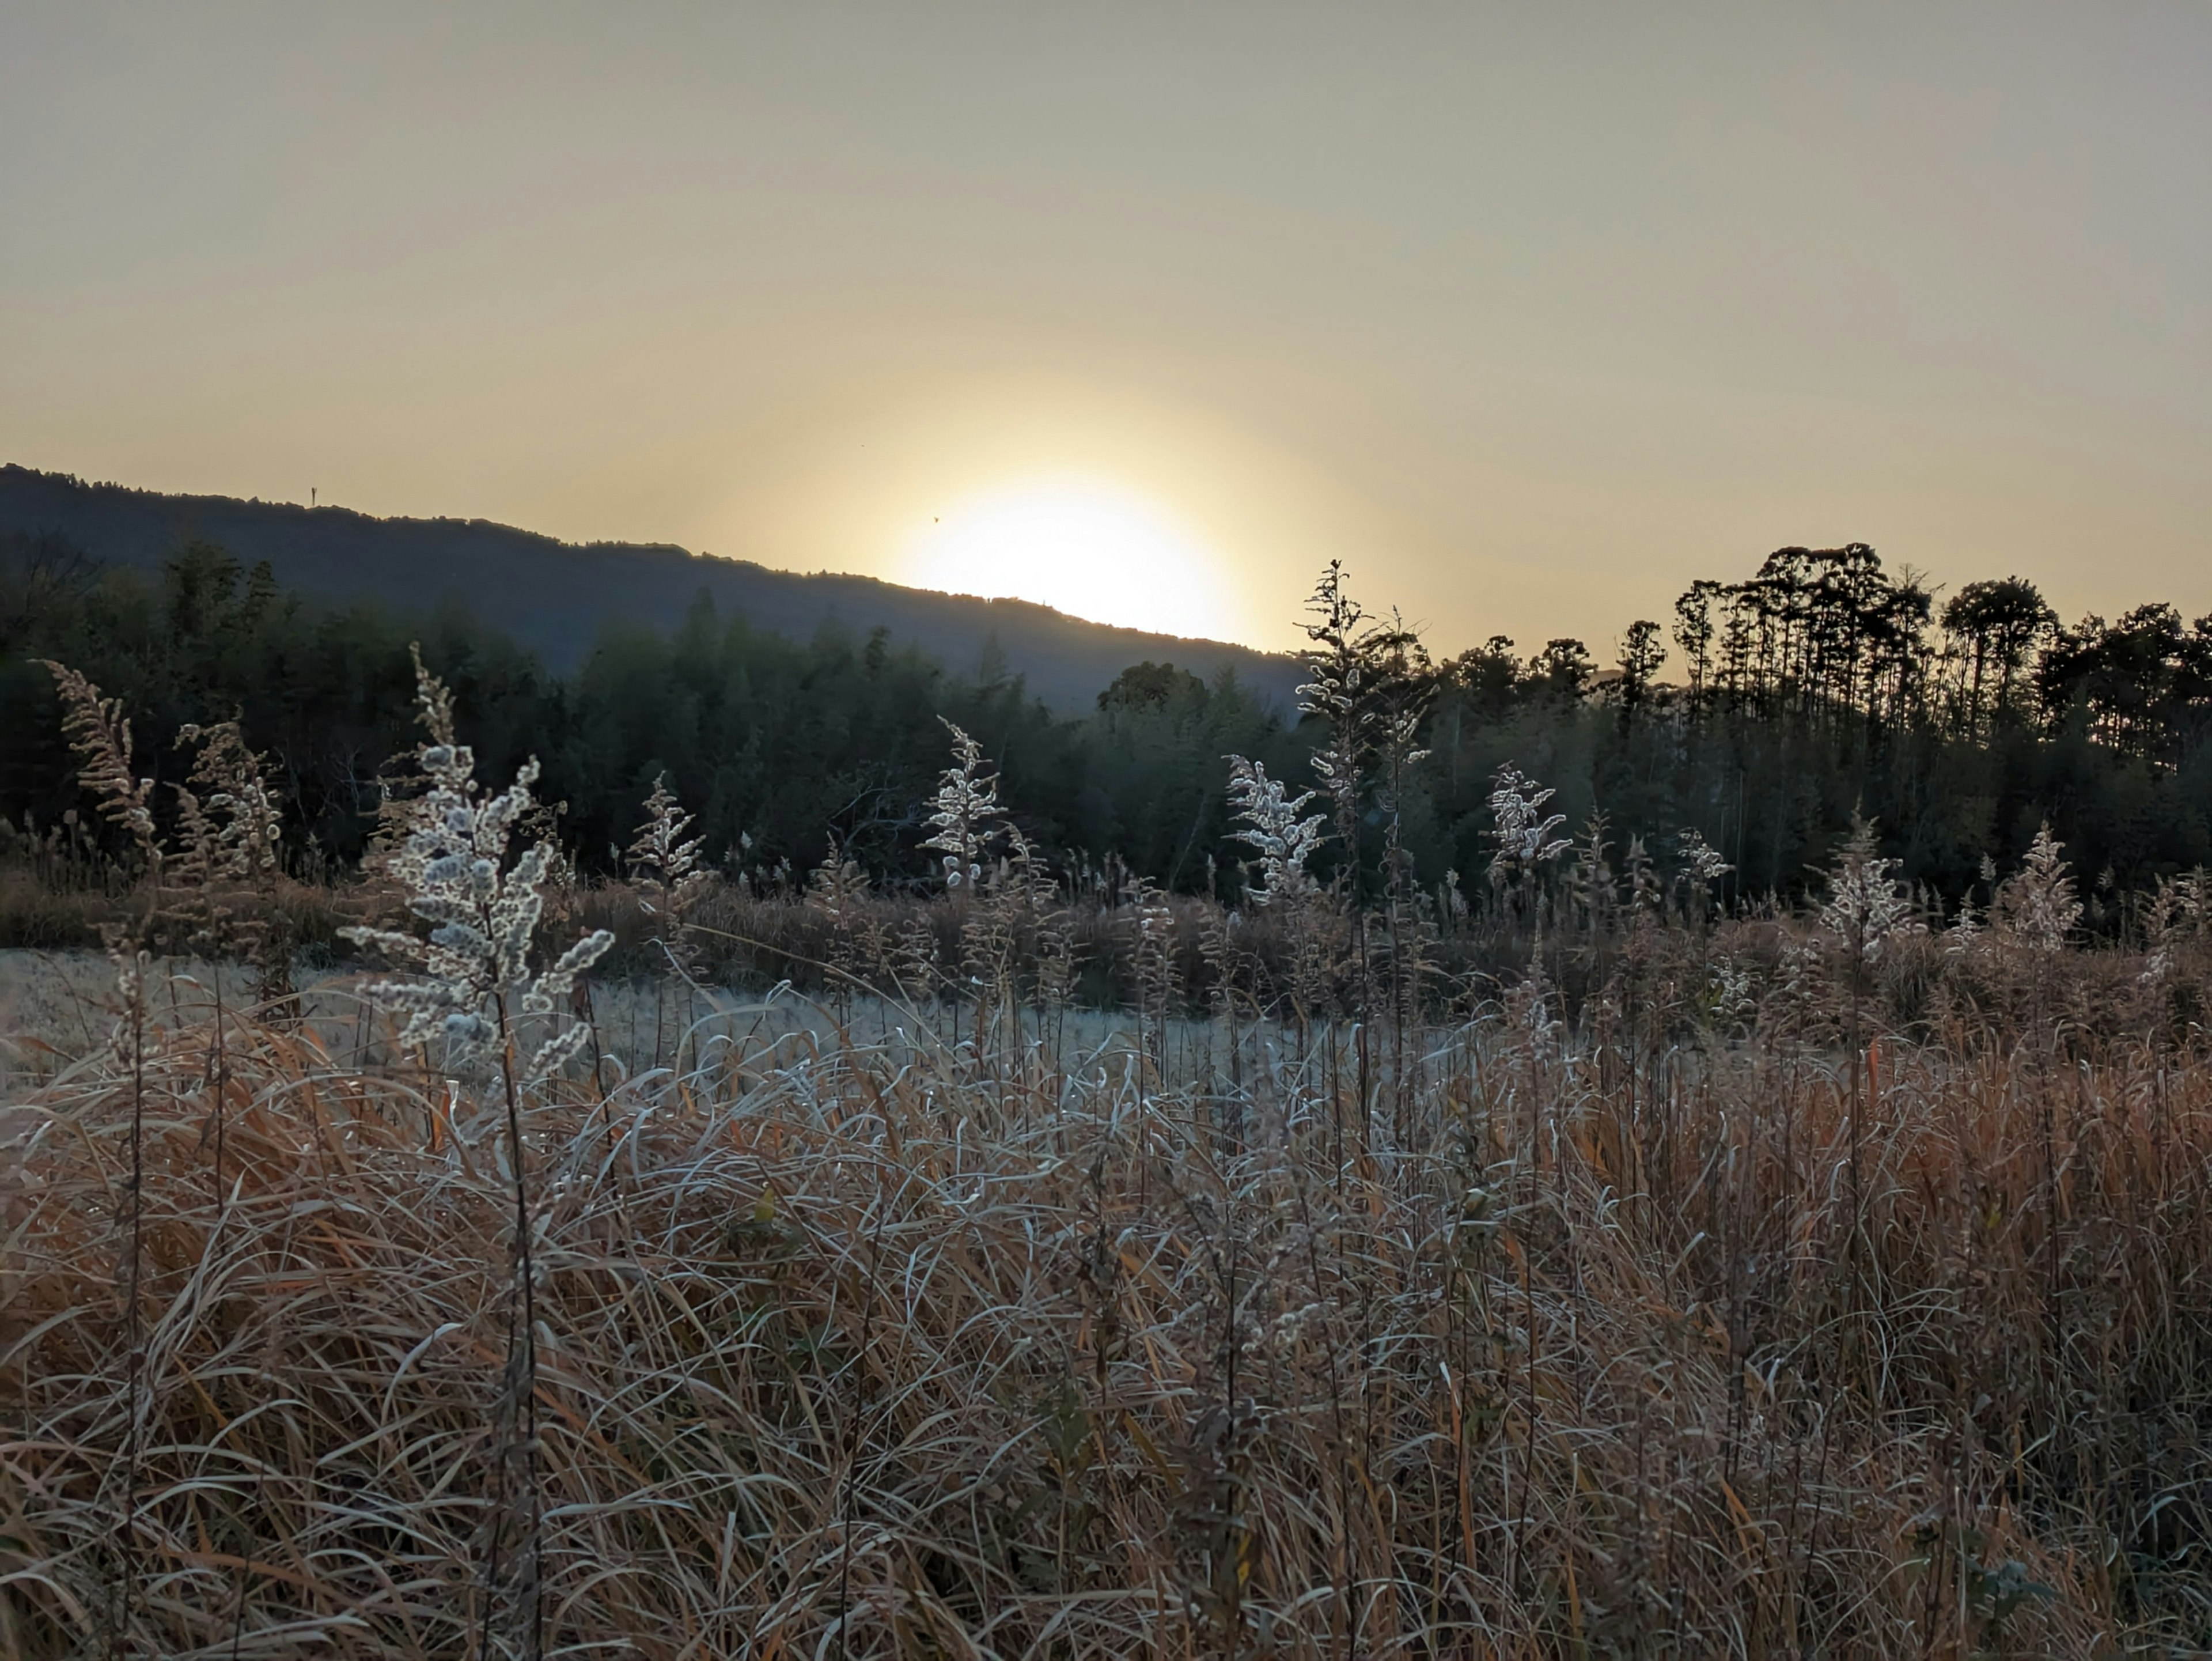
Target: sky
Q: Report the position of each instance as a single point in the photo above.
(1529, 314)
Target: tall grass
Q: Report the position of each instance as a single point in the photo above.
(861, 1346)
(1585, 1272)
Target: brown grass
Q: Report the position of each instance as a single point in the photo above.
(854, 1348)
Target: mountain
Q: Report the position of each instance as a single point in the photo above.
(557, 597)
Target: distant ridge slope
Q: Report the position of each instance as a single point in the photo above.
(557, 597)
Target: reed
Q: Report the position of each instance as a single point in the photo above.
(900, 1348)
(1078, 1270)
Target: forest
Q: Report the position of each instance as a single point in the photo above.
(1765, 715)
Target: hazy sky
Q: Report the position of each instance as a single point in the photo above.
(1531, 314)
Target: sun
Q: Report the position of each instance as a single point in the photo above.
(1080, 546)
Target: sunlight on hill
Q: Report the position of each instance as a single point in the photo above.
(1083, 547)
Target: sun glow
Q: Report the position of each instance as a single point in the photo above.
(1082, 546)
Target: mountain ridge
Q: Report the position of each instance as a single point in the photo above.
(560, 598)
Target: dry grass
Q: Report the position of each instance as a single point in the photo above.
(901, 1347)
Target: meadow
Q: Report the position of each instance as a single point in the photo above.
(1047, 1265)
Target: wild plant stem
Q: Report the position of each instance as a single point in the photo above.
(521, 1382)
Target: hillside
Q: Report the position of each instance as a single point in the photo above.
(557, 597)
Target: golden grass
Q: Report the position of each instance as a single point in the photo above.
(852, 1348)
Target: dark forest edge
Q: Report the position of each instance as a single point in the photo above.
(1820, 686)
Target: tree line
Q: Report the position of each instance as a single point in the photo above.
(1773, 709)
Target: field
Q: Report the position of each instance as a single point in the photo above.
(1699, 1324)
(1050, 1266)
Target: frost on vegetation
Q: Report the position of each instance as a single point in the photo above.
(1729, 993)
(1528, 1003)
(1867, 907)
(232, 821)
(1646, 893)
(1450, 900)
(665, 863)
(100, 735)
(1799, 981)
(1024, 877)
(1960, 938)
(2192, 898)
(2175, 918)
(1590, 882)
(454, 861)
(1273, 830)
(1965, 935)
(229, 828)
(837, 885)
(964, 814)
(1153, 929)
(1524, 833)
(2036, 905)
(1701, 860)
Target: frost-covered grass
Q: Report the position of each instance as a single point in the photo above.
(1566, 1343)
(1058, 1267)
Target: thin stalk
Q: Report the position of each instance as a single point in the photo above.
(521, 1370)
